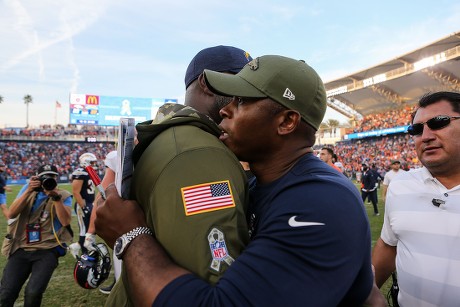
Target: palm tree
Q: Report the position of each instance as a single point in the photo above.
(323, 127)
(27, 100)
(333, 124)
(1, 99)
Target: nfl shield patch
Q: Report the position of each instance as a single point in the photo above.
(219, 251)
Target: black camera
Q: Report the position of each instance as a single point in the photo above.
(48, 183)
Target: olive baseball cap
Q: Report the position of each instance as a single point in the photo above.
(292, 83)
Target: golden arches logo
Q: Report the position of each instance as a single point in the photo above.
(94, 100)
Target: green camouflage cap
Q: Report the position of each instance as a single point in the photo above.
(291, 83)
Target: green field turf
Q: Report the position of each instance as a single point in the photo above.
(64, 291)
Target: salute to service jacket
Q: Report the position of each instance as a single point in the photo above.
(193, 191)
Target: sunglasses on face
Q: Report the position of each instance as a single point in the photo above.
(435, 123)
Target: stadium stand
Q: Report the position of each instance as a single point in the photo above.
(23, 150)
(399, 82)
(378, 151)
(378, 101)
(389, 119)
(47, 132)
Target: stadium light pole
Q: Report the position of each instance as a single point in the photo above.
(27, 100)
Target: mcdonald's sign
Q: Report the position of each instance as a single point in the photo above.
(92, 99)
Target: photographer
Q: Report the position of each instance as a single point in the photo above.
(37, 237)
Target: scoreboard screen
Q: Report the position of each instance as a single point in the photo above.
(107, 111)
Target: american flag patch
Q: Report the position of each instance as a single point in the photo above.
(207, 197)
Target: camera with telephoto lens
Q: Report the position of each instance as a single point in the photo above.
(47, 183)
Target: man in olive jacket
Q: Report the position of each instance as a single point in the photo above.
(191, 187)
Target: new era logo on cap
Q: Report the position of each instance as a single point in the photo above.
(288, 94)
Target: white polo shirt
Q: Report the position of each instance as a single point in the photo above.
(390, 175)
(427, 238)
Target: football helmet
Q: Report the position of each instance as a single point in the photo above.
(92, 269)
(87, 159)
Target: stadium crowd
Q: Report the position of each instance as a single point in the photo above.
(60, 131)
(22, 158)
(376, 151)
(389, 119)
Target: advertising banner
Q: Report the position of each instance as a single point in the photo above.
(99, 110)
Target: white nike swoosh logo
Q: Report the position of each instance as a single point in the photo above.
(293, 223)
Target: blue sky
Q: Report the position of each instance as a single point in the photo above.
(52, 48)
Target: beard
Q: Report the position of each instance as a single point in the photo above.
(219, 103)
(222, 101)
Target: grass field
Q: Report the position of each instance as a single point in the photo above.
(63, 291)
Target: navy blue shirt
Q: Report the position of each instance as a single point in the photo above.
(87, 188)
(369, 180)
(2, 184)
(310, 245)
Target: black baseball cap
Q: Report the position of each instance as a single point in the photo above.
(47, 169)
(219, 58)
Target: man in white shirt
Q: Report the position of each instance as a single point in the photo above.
(395, 170)
(420, 235)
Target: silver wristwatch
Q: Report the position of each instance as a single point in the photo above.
(122, 242)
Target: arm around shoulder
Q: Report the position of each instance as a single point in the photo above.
(148, 267)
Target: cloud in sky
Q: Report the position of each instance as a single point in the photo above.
(142, 48)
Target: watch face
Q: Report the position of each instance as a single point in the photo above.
(118, 246)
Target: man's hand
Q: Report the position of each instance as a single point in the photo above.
(75, 249)
(90, 242)
(116, 216)
(53, 194)
(148, 267)
(34, 183)
(375, 298)
(85, 210)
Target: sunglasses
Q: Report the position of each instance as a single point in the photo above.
(435, 123)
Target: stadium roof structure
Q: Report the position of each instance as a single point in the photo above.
(398, 82)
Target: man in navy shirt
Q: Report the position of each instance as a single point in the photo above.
(310, 237)
(369, 185)
(3, 189)
(83, 190)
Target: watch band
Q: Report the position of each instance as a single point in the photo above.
(130, 235)
(122, 243)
